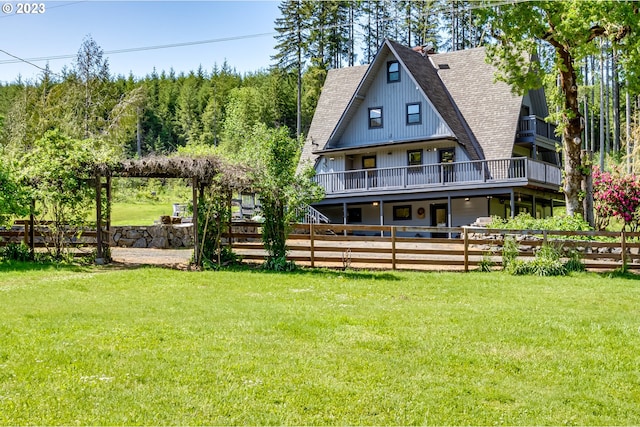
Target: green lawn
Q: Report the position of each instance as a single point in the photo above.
(138, 213)
(86, 346)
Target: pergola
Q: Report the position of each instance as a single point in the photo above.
(201, 171)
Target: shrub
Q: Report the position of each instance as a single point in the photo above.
(547, 262)
(486, 264)
(575, 262)
(525, 221)
(279, 264)
(518, 267)
(15, 252)
(509, 251)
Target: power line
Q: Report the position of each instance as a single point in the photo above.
(31, 61)
(26, 61)
(140, 49)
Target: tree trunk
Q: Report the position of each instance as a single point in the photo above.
(571, 135)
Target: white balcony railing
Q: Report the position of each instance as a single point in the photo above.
(476, 173)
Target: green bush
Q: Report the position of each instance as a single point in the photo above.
(279, 264)
(575, 262)
(509, 251)
(525, 221)
(15, 252)
(547, 262)
(486, 264)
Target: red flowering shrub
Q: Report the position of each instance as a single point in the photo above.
(616, 195)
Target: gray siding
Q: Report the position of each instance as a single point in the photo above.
(393, 98)
(466, 212)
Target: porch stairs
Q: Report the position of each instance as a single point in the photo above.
(310, 215)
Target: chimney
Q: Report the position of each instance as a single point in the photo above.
(425, 49)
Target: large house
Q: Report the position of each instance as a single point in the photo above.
(417, 138)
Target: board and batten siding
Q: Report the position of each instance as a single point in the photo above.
(393, 98)
(389, 157)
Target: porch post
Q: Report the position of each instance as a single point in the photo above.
(533, 205)
(513, 203)
(449, 214)
(344, 216)
(381, 205)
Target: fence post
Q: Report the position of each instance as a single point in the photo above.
(623, 238)
(466, 250)
(311, 233)
(393, 247)
(99, 248)
(26, 233)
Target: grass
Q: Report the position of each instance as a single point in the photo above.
(127, 213)
(151, 346)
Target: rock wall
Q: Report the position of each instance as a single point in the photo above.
(161, 236)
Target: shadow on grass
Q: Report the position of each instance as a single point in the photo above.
(620, 274)
(25, 266)
(326, 272)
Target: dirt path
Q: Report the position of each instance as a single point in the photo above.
(174, 258)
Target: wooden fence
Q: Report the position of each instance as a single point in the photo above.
(441, 248)
(39, 236)
(394, 247)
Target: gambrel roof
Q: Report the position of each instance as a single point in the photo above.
(481, 113)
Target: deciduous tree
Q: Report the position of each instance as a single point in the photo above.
(570, 31)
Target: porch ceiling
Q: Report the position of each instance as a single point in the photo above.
(494, 191)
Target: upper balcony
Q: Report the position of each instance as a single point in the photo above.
(472, 175)
(532, 128)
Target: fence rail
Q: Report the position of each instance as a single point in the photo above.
(398, 247)
(41, 236)
(395, 247)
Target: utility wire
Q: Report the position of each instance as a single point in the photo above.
(31, 61)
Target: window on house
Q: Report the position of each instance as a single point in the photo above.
(414, 113)
(393, 72)
(375, 117)
(354, 215)
(402, 213)
(368, 162)
(447, 155)
(414, 157)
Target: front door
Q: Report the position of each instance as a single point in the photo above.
(439, 218)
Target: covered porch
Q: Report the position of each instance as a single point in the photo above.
(468, 175)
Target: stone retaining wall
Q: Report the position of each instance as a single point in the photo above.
(161, 236)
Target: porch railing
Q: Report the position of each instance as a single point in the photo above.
(530, 126)
(479, 173)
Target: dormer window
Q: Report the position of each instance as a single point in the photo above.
(393, 72)
(375, 118)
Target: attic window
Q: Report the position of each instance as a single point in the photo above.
(375, 118)
(393, 72)
(443, 66)
(414, 116)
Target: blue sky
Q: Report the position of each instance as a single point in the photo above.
(117, 25)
